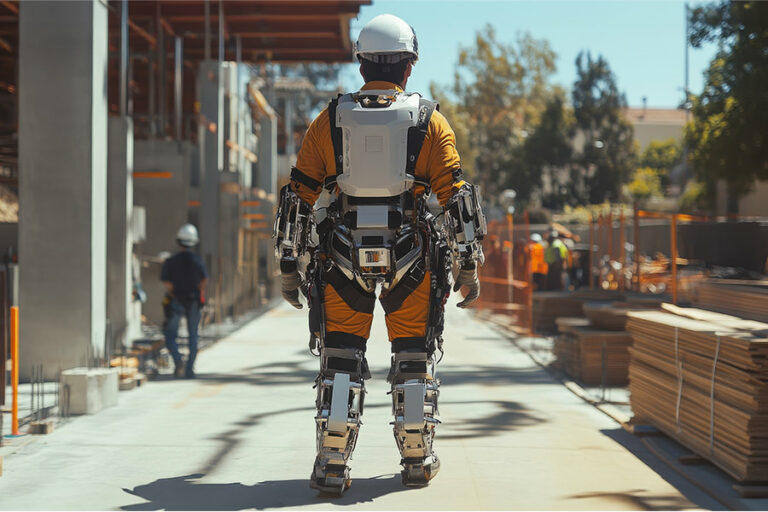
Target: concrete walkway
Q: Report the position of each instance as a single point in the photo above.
(242, 436)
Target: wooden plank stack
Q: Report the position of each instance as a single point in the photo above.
(746, 299)
(549, 306)
(613, 316)
(702, 378)
(592, 356)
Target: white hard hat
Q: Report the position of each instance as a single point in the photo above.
(187, 236)
(535, 237)
(387, 39)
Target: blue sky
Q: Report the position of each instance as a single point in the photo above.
(643, 41)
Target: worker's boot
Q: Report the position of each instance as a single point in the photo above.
(178, 371)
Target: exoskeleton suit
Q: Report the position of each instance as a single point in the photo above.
(354, 218)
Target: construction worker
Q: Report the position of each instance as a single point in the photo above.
(366, 166)
(556, 257)
(538, 265)
(184, 277)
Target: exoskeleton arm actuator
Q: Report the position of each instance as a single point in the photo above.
(466, 226)
(293, 226)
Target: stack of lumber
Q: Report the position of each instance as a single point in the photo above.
(702, 378)
(549, 306)
(591, 355)
(746, 299)
(613, 316)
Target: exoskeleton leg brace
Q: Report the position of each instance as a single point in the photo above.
(414, 405)
(340, 397)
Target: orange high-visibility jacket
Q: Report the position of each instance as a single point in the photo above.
(538, 265)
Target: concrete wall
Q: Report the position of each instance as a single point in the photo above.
(120, 234)
(166, 204)
(755, 204)
(9, 238)
(63, 183)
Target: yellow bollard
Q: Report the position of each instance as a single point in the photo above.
(15, 370)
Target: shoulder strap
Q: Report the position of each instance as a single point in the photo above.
(336, 138)
(416, 136)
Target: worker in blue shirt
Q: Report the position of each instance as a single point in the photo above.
(184, 277)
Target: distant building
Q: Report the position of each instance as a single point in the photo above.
(655, 124)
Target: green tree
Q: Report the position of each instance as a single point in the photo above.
(661, 156)
(498, 94)
(548, 150)
(608, 155)
(728, 137)
(645, 184)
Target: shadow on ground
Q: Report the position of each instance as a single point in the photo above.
(505, 416)
(188, 493)
(635, 499)
(688, 490)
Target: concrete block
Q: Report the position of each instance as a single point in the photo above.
(40, 427)
(89, 390)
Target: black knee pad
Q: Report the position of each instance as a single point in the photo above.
(350, 344)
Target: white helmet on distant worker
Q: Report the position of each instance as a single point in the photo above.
(187, 236)
(387, 39)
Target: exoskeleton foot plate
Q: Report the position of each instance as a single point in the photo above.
(333, 482)
(419, 475)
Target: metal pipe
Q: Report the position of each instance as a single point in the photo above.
(162, 69)
(207, 5)
(152, 94)
(673, 255)
(591, 251)
(636, 252)
(609, 233)
(15, 370)
(221, 31)
(123, 57)
(178, 79)
(622, 252)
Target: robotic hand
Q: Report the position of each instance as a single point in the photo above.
(292, 234)
(466, 227)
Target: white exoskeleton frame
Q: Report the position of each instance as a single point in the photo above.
(293, 227)
(465, 225)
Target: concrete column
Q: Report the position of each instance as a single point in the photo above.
(119, 232)
(267, 155)
(63, 182)
(211, 156)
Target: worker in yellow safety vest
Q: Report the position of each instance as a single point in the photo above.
(556, 257)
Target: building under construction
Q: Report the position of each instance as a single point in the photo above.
(121, 121)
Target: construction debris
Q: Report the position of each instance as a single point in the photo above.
(702, 378)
